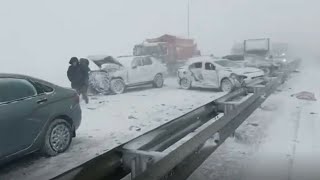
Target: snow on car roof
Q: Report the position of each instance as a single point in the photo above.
(121, 60)
(21, 76)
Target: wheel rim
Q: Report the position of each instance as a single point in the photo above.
(185, 83)
(159, 80)
(118, 86)
(226, 86)
(60, 137)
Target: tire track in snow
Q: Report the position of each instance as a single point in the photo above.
(294, 142)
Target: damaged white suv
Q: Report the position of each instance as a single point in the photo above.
(116, 74)
(208, 72)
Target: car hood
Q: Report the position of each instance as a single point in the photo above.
(244, 70)
(101, 60)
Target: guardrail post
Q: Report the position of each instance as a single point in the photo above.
(139, 164)
(228, 107)
(138, 161)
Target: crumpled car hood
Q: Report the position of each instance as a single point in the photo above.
(101, 60)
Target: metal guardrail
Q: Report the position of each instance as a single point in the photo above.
(175, 149)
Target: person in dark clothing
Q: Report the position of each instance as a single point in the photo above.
(84, 67)
(77, 76)
(74, 73)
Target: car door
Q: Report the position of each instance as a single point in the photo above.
(210, 75)
(196, 70)
(148, 69)
(21, 117)
(136, 74)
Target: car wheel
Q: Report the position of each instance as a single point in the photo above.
(57, 137)
(99, 82)
(185, 83)
(117, 86)
(158, 81)
(226, 85)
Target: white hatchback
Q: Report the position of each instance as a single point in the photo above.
(208, 72)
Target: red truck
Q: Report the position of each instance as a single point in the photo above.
(171, 50)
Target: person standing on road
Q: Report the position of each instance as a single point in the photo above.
(77, 77)
(84, 67)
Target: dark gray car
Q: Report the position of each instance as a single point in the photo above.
(35, 115)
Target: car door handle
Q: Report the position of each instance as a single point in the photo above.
(41, 101)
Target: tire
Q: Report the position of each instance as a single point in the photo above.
(158, 81)
(185, 83)
(117, 86)
(226, 85)
(99, 82)
(57, 138)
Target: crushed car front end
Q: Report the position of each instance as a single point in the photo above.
(245, 76)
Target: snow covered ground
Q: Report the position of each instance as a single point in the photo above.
(278, 141)
(109, 121)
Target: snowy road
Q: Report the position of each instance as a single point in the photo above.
(109, 121)
(278, 141)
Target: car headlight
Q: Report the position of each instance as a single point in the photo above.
(284, 60)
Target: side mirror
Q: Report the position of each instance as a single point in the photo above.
(134, 67)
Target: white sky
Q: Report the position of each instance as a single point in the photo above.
(46, 33)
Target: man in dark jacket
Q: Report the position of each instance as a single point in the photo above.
(84, 67)
(77, 77)
(74, 73)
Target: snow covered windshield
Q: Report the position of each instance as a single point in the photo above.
(227, 63)
(125, 61)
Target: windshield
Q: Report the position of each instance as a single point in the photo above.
(227, 63)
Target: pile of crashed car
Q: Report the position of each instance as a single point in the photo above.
(157, 58)
(114, 75)
(28, 124)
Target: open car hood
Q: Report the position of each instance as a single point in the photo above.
(100, 60)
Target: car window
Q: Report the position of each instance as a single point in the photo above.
(197, 65)
(14, 89)
(147, 61)
(210, 66)
(41, 88)
(136, 62)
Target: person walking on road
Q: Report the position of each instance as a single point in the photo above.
(77, 77)
(84, 67)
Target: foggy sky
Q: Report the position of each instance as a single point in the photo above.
(46, 33)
